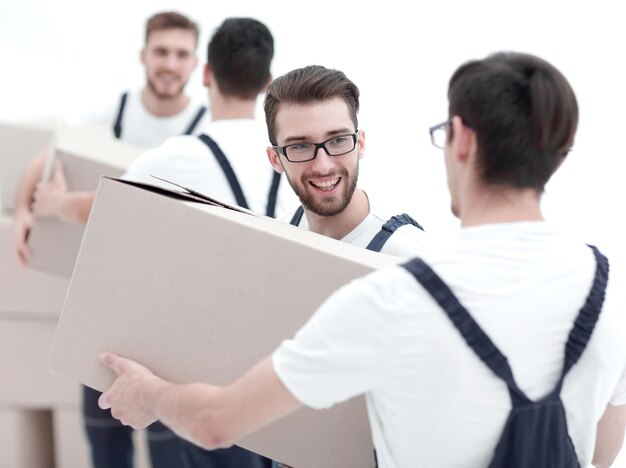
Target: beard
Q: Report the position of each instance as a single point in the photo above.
(164, 96)
(331, 205)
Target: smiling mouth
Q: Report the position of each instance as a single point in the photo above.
(168, 77)
(326, 185)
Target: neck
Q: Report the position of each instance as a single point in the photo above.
(340, 225)
(163, 107)
(231, 107)
(501, 206)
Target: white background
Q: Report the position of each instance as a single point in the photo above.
(69, 58)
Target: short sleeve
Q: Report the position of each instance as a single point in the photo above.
(347, 346)
(619, 395)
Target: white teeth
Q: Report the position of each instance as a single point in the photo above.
(327, 184)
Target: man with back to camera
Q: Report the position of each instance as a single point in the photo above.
(437, 398)
(146, 118)
(239, 53)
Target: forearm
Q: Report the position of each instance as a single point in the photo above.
(609, 436)
(76, 206)
(196, 412)
(28, 183)
(215, 417)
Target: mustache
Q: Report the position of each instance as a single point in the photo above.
(318, 175)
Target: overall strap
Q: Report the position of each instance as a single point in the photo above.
(471, 332)
(588, 316)
(270, 210)
(117, 126)
(379, 240)
(196, 119)
(482, 345)
(297, 216)
(227, 169)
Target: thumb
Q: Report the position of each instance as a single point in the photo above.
(103, 401)
(112, 361)
(59, 175)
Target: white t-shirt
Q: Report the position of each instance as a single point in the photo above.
(431, 401)
(142, 128)
(189, 162)
(407, 241)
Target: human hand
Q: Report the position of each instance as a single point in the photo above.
(21, 230)
(127, 397)
(48, 197)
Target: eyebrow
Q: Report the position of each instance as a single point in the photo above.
(329, 134)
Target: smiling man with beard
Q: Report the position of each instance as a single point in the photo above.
(311, 116)
(145, 118)
(161, 109)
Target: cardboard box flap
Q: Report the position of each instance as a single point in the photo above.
(201, 293)
(182, 193)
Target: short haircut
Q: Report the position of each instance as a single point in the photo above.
(170, 20)
(309, 85)
(240, 55)
(524, 113)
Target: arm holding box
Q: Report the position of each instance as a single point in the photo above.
(53, 199)
(23, 200)
(208, 415)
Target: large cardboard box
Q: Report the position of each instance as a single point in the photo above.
(19, 144)
(87, 153)
(198, 292)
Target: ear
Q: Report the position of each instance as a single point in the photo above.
(206, 75)
(360, 143)
(142, 56)
(195, 62)
(463, 144)
(275, 161)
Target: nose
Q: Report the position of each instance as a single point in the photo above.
(170, 62)
(322, 163)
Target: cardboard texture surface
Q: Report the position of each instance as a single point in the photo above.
(87, 153)
(18, 146)
(24, 349)
(25, 290)
(202, 293)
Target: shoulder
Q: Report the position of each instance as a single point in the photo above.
(174, 150)
(238, 131)
(177, 146)
(406, 241)
(389, 300)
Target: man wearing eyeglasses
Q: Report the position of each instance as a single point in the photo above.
(311, 116)
(434, 395)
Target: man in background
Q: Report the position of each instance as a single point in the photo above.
(145, 118)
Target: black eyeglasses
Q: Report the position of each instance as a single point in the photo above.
(303, 152)
(438, 134)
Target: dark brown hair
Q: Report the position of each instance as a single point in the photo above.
(170, 20)
(306, 85)
(524, 113)
(240, 55)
